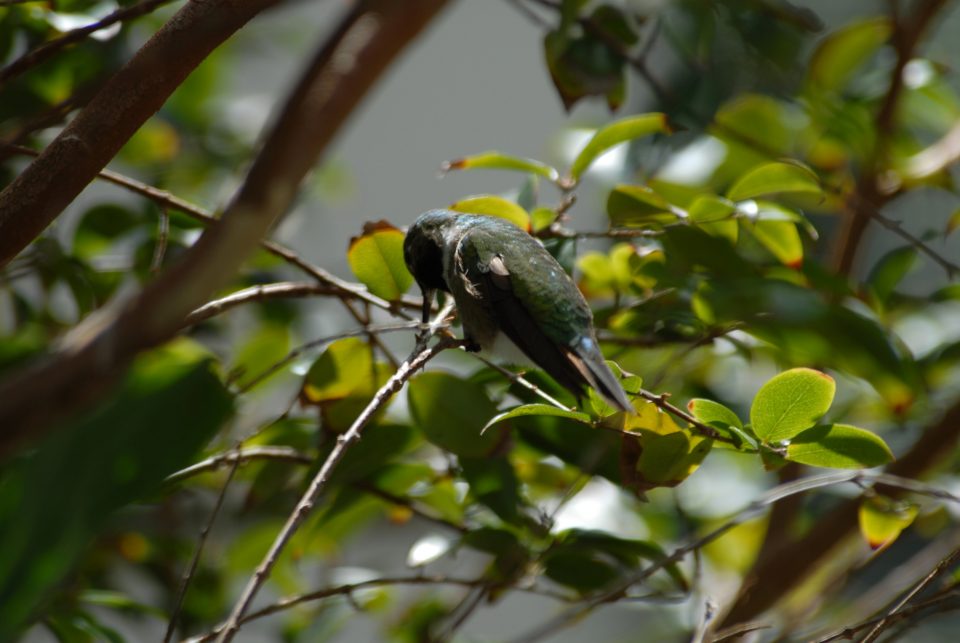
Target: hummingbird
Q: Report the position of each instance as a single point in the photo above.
(505, 283)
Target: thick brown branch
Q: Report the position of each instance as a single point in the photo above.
(41, 192)
(98, 352)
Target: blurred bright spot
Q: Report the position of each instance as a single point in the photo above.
(608, 165)
(428, 549)
(601, 505)
(918, 73)
(69, 21)
(695, 163)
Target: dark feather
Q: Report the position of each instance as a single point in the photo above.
(574, 367)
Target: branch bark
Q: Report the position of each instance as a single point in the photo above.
(41, 192)
(92, 357)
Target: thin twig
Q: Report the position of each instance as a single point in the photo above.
(195, 561)
(36, 56)
(167, 200)
(241, 456)
(407, 503)
(753, 510)
(339, 590)
(947, 595)
(884, 622)
(519, 379)
(420, 356)
(262, 292)
(303, 348)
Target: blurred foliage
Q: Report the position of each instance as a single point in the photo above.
(713, 273)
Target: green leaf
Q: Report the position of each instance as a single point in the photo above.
(715, 215)
(839, 446)
(845, 50)
(952, 223)
(57, 498)
(775, 178)
(494, 206)
(790, 403)
(636, 205)
(538, 409)
(494, 483)
(266, 347)
(340, 370)
(376, 258)
(882, 520)
(615, 133)
(781, 238)
(452, 412)
(498, 161)
(708, 412)
(890, 271)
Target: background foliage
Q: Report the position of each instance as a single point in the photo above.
(735, 223)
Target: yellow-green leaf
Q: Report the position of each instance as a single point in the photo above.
(715, 215)
(343, 367)
(781, 238)
(791, 402)
(376, 258)
(839, 446)
(538, 409)
(841, 53)
(775, 178)
(882, 520)
(498, 161)
(494, 206)
(637, 204)
(615, 133)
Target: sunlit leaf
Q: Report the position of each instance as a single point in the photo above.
(498, 161)
(790, 403)
(341, 369)
(376, 258)
(720, 418)
(715, 215)
(537, 409)
(775, 178)
(615, 133)
(494, 206)
(882, 520)
(838, 446)
(781, 238)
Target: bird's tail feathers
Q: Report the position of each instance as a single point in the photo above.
(588, 361)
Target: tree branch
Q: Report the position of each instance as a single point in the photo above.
(92, 357)
(420, 356)
(36, 56)
(869, 195)
(41, 192)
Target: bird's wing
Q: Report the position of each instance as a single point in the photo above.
(540, 309)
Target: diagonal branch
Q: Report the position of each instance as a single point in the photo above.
(420, 356)
(41, 192)
(91, 358)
